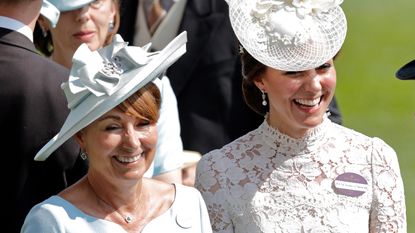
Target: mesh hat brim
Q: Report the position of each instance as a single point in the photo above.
(406, 72)
(326, 36)
(94, 106)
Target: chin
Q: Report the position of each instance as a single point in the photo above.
(313, 122)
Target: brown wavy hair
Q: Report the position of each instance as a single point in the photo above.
(252, 69)
(143, 104)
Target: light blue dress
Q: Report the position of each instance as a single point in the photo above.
(188, 214)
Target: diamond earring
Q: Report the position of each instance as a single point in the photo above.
(83, 155)
(264, 100)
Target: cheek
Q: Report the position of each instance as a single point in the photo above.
(106, 142)
(329, 82)
(149, 140)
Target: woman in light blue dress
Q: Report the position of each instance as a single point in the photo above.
(114, 98)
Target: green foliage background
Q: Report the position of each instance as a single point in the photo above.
(380, 39)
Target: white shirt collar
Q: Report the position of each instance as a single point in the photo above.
(15, 25)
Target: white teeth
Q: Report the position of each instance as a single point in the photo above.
(125, 159)
(309, 103)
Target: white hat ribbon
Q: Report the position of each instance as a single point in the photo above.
(99, 72)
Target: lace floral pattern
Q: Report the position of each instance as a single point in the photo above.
(266, 181)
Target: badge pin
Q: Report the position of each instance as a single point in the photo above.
(350, 184)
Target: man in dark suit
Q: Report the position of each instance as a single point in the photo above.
(207, 80)
(31, 113)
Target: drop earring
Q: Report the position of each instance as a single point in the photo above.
(44, 32)
(111, 26)
(264, 98)
(83, 155)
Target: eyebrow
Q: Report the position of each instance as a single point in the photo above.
(109, 117)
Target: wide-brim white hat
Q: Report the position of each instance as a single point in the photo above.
(289, 35)
(100, 80)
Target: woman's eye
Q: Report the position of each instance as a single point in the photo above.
(324, 66)
(142, 124)
(112, 127)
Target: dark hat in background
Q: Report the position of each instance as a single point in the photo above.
(406, 72)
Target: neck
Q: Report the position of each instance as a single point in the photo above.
(25, 12)
(61, 59)
(122, 201)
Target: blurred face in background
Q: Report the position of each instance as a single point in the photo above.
(89, 24)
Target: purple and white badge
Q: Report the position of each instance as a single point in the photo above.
(350, 184)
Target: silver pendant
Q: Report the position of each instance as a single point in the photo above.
(128, 219)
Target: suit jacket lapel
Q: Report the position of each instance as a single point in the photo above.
(16, 39)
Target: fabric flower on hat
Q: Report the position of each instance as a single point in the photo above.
(290, 21)
(99, 72)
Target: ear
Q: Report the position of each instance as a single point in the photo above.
(79, 138)
(260, 84)
(113, 11)
(44, 23)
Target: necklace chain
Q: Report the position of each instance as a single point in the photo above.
(127, 218)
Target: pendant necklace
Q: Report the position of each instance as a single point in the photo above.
(127, 218)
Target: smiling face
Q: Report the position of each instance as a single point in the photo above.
(298, 100)
(119, 145)
(89, 24)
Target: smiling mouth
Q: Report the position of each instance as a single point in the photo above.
(128, 159)
(308, 102)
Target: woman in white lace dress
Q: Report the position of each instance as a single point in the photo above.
(298, 171)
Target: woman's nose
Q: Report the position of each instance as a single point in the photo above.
(131, 139)
(82, 13)
(312, 82)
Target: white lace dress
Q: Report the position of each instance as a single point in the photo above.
(333, 180)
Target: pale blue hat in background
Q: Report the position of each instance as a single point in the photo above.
(69, 5)
(51, 8)
(50, 12)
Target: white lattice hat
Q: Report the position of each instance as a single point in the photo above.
(290, 35)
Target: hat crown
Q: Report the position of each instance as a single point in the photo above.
(291, 35)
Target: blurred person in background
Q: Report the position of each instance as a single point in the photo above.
(32, 111)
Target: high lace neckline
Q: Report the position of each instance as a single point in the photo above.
(287, 145)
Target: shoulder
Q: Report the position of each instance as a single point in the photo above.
(378, 150)
(186, 193)
(351, 136)
(45, 216)
(235, 148)
(28, 68)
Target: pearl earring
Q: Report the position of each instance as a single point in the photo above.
(111, 26)
(264, 100)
